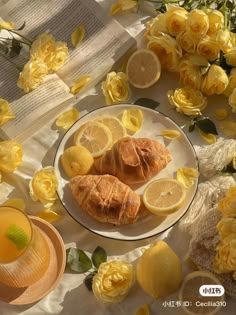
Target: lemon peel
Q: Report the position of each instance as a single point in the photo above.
(68, 118)
(78, 35)
(187, 176)
(132, 119)
(80, 84)
(170, 134)
(208, 137)
(49, 215)
(15, 203)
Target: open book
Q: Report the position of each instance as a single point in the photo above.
(104, 44)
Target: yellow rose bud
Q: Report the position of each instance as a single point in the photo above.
(216, 21)
(232, 100)
(11, 154)
(113, 281)
(223, 40)
(197, 23)
(33, 75)
(116, 88)
(167, 50)
(5, 113)
(187, 42)
(225, 259)
(176, 18)
(230, 57)
(190, 74)
(187, 100)
(43, 186)
(207, 48)
(215, 81)
(226, 226)
(232, 82)
(227, 206)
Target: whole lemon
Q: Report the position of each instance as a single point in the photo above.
(76, 160)
(159, 270)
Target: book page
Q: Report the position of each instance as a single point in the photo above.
(31, 108)
(104, 43)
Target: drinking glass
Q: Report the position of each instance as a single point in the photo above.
(24, 251)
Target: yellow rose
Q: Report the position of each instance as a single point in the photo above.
(167, 50)
(187, 42)
(123, 5)
(227, 206)
(226, 226)
(216, 21)
(60, 54)
(232, 100)
(158, 25)
(207, 48)
(113, 281)
(223, 40)
(11, 154)
(215, 81)
(33, 75)
(190, 74)
(116, 88)
(197, 23)
(43, 186)
(225, 259)
(175, 19)
(187, 100)
(232, 82)
(5, 113)
(7, 25)
(230, 57)
(43, 47)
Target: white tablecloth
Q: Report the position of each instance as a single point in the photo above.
(71, 296)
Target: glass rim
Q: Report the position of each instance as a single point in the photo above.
(31, 234)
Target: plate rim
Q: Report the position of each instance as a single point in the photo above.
(138, 238)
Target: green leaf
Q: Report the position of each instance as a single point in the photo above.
(206, 125)
(88, 281)
(77, 260)
(99, 256)
(15, 48)
(147, 102)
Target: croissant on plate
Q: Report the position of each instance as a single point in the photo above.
(106, 198)
(133, 160)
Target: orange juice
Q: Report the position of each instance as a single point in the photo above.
(24, 250)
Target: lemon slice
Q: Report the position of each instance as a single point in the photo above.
(192, 301)
(142, 310)
(143, 68)
(94, 136)
(115, 126)
(132, 119)
(164, 196)
(18, 236)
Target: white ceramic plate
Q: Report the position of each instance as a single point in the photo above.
(183, 156)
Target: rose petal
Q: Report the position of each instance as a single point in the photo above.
(68, 118)
(228, 127)
(170, 134)
(79, 84)
(221, 113)
(187, 176)
(78, 35)
(49, 215)
(208, 137)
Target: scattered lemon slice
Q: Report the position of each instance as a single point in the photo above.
(142, 310)
(78, 35)
(18, 236)
(115, 126)
(94, 136)
(76, 160)
(49, 215)
(164, 196)
(189, 292)
(132, 119)
(143, 68)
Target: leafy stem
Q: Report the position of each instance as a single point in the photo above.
(29, 41)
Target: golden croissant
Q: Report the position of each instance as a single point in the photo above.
(106, 198)
(133, 160)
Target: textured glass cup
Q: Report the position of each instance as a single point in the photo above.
(24, 252)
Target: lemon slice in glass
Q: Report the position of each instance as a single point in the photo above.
(143, 68)
(94, 136)
(195, 303)
(164, 196)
